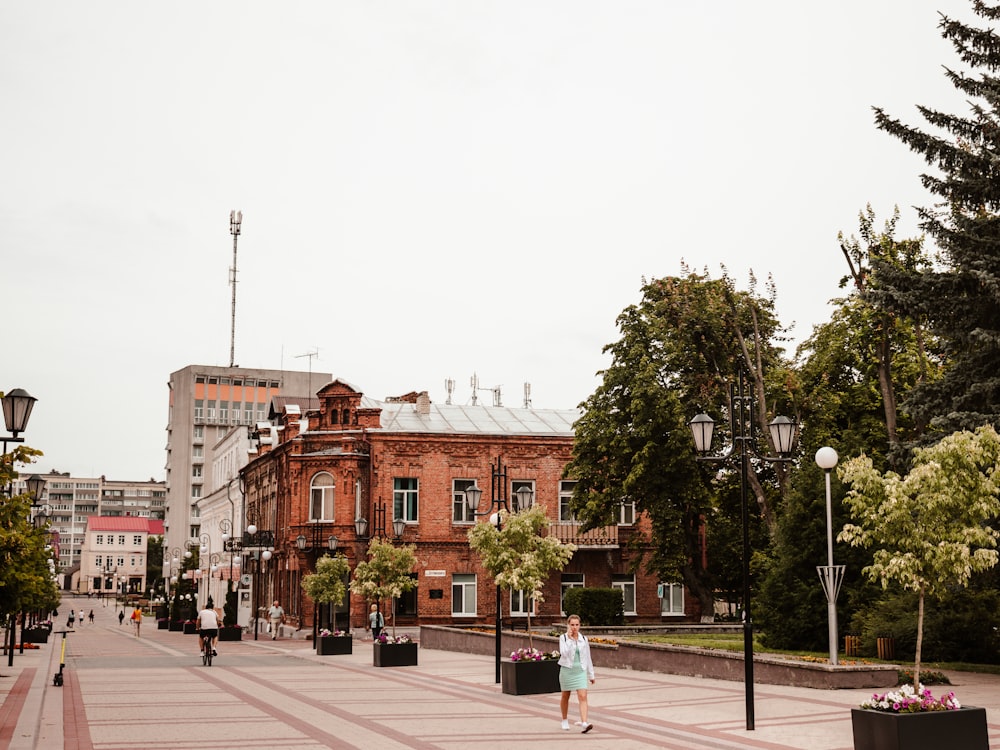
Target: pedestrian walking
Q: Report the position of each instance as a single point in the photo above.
(576, 669)
(136, 620)
(71, 619)
(275, 616)
(91, 617)
(121, 617)
(376, 622)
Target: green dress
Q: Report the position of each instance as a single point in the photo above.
(575, 677)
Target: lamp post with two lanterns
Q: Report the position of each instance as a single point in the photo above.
(378, 525)
(744, 443)
(316, 544)
(499, 500)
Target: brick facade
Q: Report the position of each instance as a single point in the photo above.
(370, 449)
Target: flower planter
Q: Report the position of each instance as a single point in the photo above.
(926, 730)
(230, 634)
(162, 624)
(176, 626)
(190, 628)
(530, 677)
(334, 645)
(395, 654)
(35, 635)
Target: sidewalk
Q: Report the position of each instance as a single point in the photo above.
(125, 692)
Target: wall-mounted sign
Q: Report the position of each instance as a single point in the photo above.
(434, 573)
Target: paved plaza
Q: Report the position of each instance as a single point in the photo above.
(125, 692)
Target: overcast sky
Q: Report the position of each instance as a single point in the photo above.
(429, 189)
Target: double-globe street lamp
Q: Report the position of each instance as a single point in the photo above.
(316, 545)
(378, 524)
(258, 546)
(744, 443)
(499, 500)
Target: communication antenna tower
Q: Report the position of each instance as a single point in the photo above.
(527, 395)
(314, 353)
(449, 387)
(235, 221)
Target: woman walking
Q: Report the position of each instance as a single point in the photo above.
(576, 669)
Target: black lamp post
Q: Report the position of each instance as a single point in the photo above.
(744, 442)
(315, 545)
(258, 544)
(361, 532)
(498, 501)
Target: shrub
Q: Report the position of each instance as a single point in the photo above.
(600, 607)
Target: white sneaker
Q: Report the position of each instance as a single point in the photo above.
(586, 727)
(565, 724)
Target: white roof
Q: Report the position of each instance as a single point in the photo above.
(490, 420)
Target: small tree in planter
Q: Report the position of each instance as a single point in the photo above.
(930, 528)
(517, 556)
(386, 573)
(326, 585)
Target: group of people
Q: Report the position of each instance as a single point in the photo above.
(73, 617)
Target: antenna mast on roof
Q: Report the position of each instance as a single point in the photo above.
(527, 395)
(449, 386)
(235, 220)
(313, 353)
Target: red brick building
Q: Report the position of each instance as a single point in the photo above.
(347, 457)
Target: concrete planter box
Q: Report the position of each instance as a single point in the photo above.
(162, 624)
(334, 645)
(395, 654)
(190, 628)
(175, 626)
(530, 677)
(230, 634)
(928, 730)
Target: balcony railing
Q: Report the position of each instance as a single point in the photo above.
(603, 537)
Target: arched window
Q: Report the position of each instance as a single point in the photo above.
(321, 498)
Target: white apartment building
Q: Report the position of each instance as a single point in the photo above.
(207, 403)
(73, 501)
(113, 555)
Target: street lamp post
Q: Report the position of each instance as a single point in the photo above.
(744, 440)
(259, 545)
(315, 545)
(830, 575)
(499, 500)
(378, 525)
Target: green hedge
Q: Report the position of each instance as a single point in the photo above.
(599, 607)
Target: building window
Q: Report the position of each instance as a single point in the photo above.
(565, 493)
(196, 471)
(518, 484)
(137, 540)
(199, 432)
(521, 604)
(406, 603)
(199, 409)
(404, 499)
(196, 490)
(121, 540)
(100, 539)
(568, 581)
(99, 561)
(627, 517)
(460, 512)
(626, 583)
(463, 594)
(198, 452)
(321, 498)
(671, 599)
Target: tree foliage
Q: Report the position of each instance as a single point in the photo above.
(929, 529)
(386, 573)
(679, 349)
(517, 555)
(959, 297)
(326, 585)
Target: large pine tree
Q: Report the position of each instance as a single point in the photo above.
(960, 297)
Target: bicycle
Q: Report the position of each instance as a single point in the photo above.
(206, 650)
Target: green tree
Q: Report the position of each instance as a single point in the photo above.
(958, 297)
(679, 349)
(386, 573)
(929, 528)
(517, 555)
(326, 585)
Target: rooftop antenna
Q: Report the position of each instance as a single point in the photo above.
(527, 395)
(449, 386)
(235, 220)
(474, 382)
(313, 353)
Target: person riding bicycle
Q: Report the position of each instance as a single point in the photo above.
(208, 627)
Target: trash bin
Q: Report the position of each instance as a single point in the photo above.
(852, 645)
(886, 646)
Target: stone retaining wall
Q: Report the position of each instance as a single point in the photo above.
(683, 660)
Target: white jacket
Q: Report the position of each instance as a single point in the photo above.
(567, 651)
